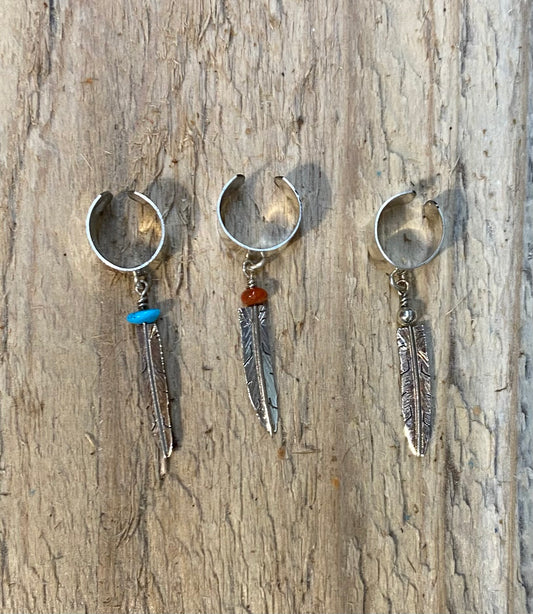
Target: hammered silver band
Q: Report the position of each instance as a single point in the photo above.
(228, 196)
(98, 205)
(401, 199)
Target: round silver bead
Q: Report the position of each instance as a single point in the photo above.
(406, 315)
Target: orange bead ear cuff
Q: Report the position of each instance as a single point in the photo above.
(257, 360)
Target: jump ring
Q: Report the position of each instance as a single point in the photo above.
(399, 283)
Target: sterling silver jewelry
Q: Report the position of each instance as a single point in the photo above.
(257, 360)
(144, 318)
(393, 234)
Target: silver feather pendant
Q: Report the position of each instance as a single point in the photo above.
(154, 365)
(257, 362)
(415, 386)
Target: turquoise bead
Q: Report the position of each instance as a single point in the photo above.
(145, 316)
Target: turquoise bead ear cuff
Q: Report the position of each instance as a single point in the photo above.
(144, 318)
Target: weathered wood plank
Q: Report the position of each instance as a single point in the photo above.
(524, 596)
(353, 103)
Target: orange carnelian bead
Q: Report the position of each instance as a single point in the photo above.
(253, 296)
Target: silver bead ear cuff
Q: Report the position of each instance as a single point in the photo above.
(393, 233)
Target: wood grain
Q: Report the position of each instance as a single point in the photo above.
(353, 103)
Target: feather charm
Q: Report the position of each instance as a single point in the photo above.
(415, 386)
(257, 362)
(154, 365)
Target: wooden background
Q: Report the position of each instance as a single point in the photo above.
(353, 102)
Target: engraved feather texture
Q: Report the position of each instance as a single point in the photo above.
(415, 386)
(154, 365)
(257, 363)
